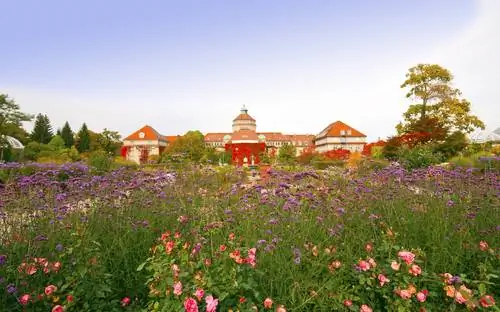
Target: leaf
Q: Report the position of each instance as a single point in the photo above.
(141, 266)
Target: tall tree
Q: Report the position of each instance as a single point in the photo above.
(83, 139)
(109, 141)
(191, 145)
(42, 131)
(67, 135)
(287, 154)
(430, 87)
(10, 118)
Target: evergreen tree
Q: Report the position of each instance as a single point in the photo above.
(42, 131)
(83, 139)
(67, 135)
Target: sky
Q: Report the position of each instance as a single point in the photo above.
(191, 65)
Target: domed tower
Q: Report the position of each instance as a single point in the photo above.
(244, 121)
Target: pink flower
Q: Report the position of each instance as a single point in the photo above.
(372, 263)
(56, 266)
(251, 257)
(268, 303)
(395, 265)
(58, 308)
(178, 288)
(199, 293)
(211, 303)
(69, 298)
(232, 236)
(369, 247)
(24, 299)
(169, 246)
(421, 296)
(31, 269)
(125, 301)
(487, 301)
(347, 303)
(407, 256)
(364, 266)
(365, 308)
(50, 289)
(190, 305)
(483, 245)
(405, 293)
(415, 270)
(222, 247)
(383, 279)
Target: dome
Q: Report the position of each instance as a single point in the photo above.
(261, 137)
(14, 143)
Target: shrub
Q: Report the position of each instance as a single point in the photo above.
(418, 157)
(100, 162)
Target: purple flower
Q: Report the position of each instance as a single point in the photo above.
(11, 289)
(59, 247)
(3, 259)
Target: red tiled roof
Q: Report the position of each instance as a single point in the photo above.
(149, 134)
(244, 135)
(335, 128)
(171, 138)
(215, 136)
(244, 116)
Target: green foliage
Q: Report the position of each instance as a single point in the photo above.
(42, 131)
(10, 116)
(287, 154)
(189, 147)
(452, 145)
(109, 141)
(431, 87)
(418, 157)
(391, 149)
(56, 143)
(83, 144)
(100, 162)
(68, 135)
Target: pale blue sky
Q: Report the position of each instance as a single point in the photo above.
(297, 65)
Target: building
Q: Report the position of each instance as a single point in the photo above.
(338, 135)
(245, 143)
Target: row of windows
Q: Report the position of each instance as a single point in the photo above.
(271, 143)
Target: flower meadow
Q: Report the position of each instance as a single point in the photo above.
(207, 239)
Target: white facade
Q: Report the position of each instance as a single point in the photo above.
(134, 152)
(353, 144)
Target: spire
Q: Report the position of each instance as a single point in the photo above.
(244, 110)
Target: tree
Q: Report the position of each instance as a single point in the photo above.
(42, 131)
(109, 141)
(57, 143)
(10, 118)
(191, 145)
(67, 135)
(430, 86)
(287, 154)
(83, 139)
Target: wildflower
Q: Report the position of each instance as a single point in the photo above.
(232, 236)
(447, 278)
(3, 259)
(372, 263)
(242, 300)
(211, 303)
(395, 265)
(190, 305)
(403, 293)
(49, 290)
(199, 293)
(483, 245)
(463, 294)
(222, 247)
(406, 256)
(363, 265)
(178, 288)
(268, 303)
(24, 299)
(450, 291)
(182, 219)
(315, 251)
(169, 246)
(58, 308)
(251, 257)
(365, 308)
(383, 279)
(415, 270)
(125, 301)
(347, 303)
(487, 301)
(69, 298)
(11, 289)
(59, 247)
(55, 266)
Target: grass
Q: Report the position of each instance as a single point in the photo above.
(441, 215)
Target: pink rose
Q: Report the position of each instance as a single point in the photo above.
(50, 289)
(415, 270)
(487, 301)
(56, 266)
(364, 266)
(199, 293)
(383, 279)
(268, 303)
(407, 256)
(190, 305)
(211, 303)
(58, 308)
(365, 308)
(395, 265)
(372, 263)
(125, 301)
(178, 288)
(347, 303)
(281, 309)
(421, 296)
(369, 247)
(24, 299)
(483, 245)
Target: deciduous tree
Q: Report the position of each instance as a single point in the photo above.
(436, 101)
(11, 118)
(109, 141)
